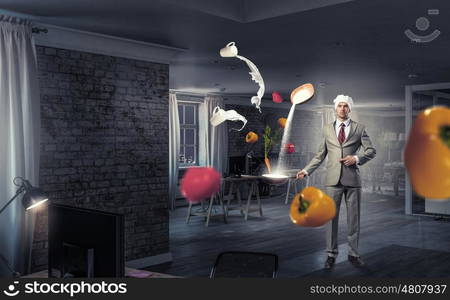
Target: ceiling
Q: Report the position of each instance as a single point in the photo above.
(341, 46)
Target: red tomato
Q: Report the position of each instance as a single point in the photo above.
(200, 183)
(289, 148)
(276, 97)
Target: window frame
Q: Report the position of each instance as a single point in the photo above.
(183, 127)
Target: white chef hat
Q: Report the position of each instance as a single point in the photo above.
(343, 98)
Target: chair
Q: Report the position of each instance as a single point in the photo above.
(238, 264)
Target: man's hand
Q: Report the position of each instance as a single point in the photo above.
(302, 174)
(349, 160)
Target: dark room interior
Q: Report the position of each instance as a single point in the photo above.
(109, 109)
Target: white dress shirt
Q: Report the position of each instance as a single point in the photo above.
(337, 127)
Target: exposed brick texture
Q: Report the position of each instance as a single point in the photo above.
(104, 143)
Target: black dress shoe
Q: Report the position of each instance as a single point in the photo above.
(330, 262)
(356, 261)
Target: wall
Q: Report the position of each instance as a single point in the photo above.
(377, 128)
(104, 143)
(305, 133)
(306, 136)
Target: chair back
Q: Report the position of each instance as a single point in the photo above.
(240, 264)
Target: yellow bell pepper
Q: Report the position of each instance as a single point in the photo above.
(427, 153)
(312, 208)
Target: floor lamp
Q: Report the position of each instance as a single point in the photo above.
(32, 198)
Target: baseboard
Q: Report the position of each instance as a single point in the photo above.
(150, 260)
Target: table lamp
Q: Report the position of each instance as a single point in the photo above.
(32, 198)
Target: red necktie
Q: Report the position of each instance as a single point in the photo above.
(341, 136)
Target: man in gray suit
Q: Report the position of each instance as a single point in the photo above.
(342, 140)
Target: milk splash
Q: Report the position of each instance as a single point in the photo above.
(299, 95)
(282, 157)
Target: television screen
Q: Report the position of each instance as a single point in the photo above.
(85, 242)
(236, 165)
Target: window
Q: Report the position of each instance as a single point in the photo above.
(188, 114)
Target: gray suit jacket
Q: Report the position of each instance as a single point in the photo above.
(348, 176)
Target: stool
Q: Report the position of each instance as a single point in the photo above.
(218, 197)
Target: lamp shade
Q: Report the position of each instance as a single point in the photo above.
(33, 197)
(302, 93)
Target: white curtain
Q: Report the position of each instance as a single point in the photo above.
(174, 148)
(203, 134)
(19, 136)
(216, 137)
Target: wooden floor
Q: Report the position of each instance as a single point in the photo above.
(394, 262)
(385, 232)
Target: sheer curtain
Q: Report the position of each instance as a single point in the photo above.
(216, 137)
(174, 148)
(19, 136)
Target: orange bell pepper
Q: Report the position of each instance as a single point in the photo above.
(427, 153)
(312, 208)
(282, 122)
(251, 137)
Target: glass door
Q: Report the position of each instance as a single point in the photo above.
(417, 99)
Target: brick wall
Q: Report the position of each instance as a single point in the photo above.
(104, 143)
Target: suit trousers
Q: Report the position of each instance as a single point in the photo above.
(352, 197)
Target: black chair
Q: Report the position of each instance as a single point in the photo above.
(238, 264)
